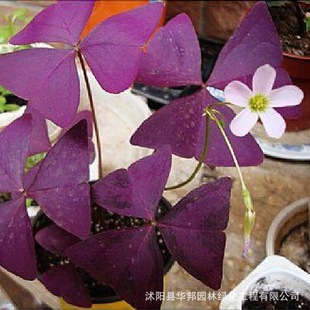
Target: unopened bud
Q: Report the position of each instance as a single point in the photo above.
(249, 220)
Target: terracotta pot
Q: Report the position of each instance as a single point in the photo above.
(298, 68)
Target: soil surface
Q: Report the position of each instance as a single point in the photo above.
(291, 27)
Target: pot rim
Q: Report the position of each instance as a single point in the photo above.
(282, 218)
(297, 57)
(270, 265)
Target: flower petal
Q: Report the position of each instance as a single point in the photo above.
(243, 122)
(237, 93)
(288, 95)
(274, 123)
(263, 80)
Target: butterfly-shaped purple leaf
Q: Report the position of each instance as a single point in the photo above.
(48, 78)
(193, 231)
(136, 191)
(113, 49)
(181, 125)
(60, 185)
(63, 280)
(203, 214)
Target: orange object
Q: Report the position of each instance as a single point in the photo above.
(106, 8)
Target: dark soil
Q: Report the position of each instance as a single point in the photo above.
(276, 299)
(102, 220)
(289, 21)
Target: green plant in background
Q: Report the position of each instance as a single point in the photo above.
(307, 20)
(12, 24)
(4, 105)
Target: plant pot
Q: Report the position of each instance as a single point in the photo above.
(287, 234)
(298, 67)
(274, 274)
(103, 297)
(289, 21)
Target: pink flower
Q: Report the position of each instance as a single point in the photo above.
(260, 102)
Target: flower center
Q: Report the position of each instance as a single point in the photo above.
(258, 103)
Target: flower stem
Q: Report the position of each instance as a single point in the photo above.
(249, 218)
(92, 108)
(201, 159)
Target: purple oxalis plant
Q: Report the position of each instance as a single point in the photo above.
(47, 77)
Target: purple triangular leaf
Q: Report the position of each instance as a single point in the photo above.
(135, 192)
(63, 21)
(176, 124)
(16, 239)
(173, 56)
(66, 163)
(68, 207)
(30, 176)
(47, 78)
(193, 231)
(112, 43)
(15, 140)
(55, 240)
(39, 141)
(254, 43)
(128, 260)
(246, 148)
(87, 115)
(66, 282)
(60, 186)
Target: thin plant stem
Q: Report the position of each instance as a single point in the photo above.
(231, 150)
(249, 218)
(201, 159)
(92, 108)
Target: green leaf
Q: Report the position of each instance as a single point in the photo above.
(4, 92)
(11, 107)
(308, 21)
(19, 14)
(33, 160)
(2, 101)
(4, 34)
